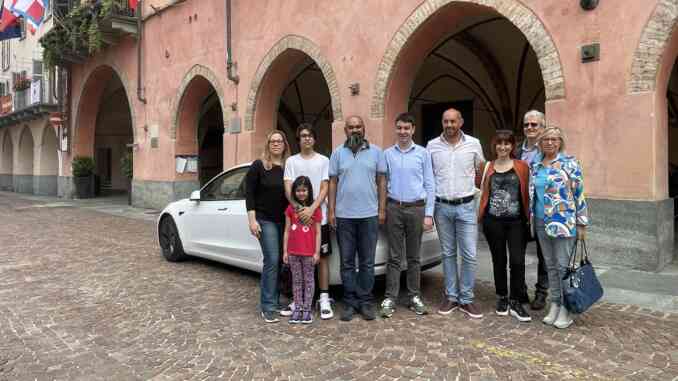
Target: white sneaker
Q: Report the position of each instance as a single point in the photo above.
(564, 318)
(550, 318)
(325, 307)
(287, 311)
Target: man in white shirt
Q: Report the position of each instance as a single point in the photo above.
(456, 158)
(315, 166)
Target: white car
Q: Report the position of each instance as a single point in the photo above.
(213, 224)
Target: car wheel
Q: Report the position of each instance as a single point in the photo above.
(170, 243)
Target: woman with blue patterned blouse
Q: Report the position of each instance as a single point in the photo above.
(558, 213)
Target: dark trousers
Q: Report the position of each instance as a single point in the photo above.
(404, 226)
(500, 234)
(357, 237)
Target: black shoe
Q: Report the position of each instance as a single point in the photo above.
(347, 313)
(539, 301)
(269, 316)
(502, 306)
(367, 310)
(518, 312)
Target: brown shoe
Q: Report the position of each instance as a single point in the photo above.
(447, 306)
(471, 310)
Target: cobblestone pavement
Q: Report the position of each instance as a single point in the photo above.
(87, 296)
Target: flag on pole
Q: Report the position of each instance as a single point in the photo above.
(7, 18)
(9, 23)
(13, 31)
(32, 10)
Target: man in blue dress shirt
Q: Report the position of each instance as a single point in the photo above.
(409, 211)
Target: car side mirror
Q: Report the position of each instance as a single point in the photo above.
(195, 196)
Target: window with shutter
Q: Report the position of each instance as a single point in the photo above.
(6, 54)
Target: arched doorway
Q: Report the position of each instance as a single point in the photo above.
(104, 129)
(294, 84)
(7, 163)
(481, 76)
(453, 58)
(45, 182)
(200, 132)
(23, 174)
(306, 99)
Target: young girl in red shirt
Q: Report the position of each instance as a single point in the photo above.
(302, 250)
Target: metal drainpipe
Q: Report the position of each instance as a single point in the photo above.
(230, 65)
(140, 29)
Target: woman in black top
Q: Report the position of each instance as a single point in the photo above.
(503, 212)
(266, 203)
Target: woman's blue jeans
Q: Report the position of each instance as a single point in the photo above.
(271, 248)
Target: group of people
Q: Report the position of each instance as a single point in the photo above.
(529, 190)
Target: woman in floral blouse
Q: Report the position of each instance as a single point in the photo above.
(558, 213)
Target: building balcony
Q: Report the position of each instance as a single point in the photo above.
(87, 28)
(25, 105)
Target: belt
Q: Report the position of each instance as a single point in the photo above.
(406, 203)
(456, 201)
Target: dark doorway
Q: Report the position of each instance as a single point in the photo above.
(306, 99)
(432, 116)
(104, 171)
(210, 140)
(492, 81)
(113, 136)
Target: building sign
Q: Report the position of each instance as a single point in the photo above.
(6, 104)
(35, 92)
(57, 121)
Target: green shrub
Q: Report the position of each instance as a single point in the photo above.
(83, 166)
(127, 165)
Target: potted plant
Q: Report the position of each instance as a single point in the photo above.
(22, 83)
(127, 169)
(83, 176)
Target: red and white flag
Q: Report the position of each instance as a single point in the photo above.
(8, 18)
(32, 10)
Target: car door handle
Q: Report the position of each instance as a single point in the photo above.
(222, 209)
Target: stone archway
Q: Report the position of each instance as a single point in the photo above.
(45, 177)
(652, 46)
(87, 106)
(23, 173)
(517, 13)
(105, 127)
(197, 71)
(285, 45)
(6, 161)
(199, 124)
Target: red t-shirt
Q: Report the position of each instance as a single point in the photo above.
(301, 238)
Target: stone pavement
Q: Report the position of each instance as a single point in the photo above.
(86, 295)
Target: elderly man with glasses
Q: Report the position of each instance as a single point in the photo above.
(533, 125)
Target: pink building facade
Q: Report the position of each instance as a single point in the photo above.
(322, 61)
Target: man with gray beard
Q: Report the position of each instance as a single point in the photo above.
(356, 208)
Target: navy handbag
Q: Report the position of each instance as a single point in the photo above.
(581, 288)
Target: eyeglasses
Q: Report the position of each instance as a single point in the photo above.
(305, 136)
(531, 124)
(550, 140)
(276, 141)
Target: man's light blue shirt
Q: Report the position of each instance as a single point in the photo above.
(356, 175)
(410, 175)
